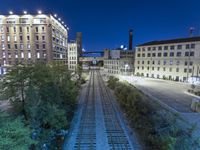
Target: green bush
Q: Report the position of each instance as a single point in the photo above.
(156, 127)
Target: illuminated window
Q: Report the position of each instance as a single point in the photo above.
(38, 55)
(22, 54)
(8, 38)
(29, 55)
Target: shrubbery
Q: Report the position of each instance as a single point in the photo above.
(157, 128)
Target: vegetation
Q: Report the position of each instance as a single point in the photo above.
(13, 133)
(157, 128)
(45, 95)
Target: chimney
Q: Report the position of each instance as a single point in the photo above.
(130, 39)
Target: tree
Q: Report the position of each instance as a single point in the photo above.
(13, 133)
(15, 83)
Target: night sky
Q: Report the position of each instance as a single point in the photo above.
(105, 23)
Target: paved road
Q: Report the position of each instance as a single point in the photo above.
(98, 123)
(171, 93)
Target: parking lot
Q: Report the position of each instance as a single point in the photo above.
(171, 93)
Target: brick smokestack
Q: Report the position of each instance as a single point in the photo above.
(130, 39)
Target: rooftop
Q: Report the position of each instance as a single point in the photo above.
(178, 40)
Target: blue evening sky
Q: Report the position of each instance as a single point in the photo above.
(105, 23)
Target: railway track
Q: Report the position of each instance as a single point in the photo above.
(86, 137)
(117, 139)
(98, 125)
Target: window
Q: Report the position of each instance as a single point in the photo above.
(42, 29)
(27, 29)
(43, 37)
(159, 54)
(21, 38)
(20, 29)
(191, 53)
(8, 46)
(186, 63)
(14, 29)
(139, 49)
(165, 47)
(164, 68)
(179, 47)
(178, 54)
(21, 46)
(143, 55)
(37, 46)
(149, 54)
(36, 29)
(165, 54)
(191, 63)
(172, 47)
(148, 62)
(187, 46)
(43, 46)
(171, 54)
(22, 54)
(23, 20)
(154, 55)
(38, 55)
(138, 62)
(3, 46)
(190, 70)
(171, 62)
(28, 46)
(154, 48)
(177, 69)
(158, 62)
(29, 55)
(149, 48)
(185, 70)
(28, 38)
(158, 68)
(138, 55)
(143, 62)
(186, 53)
(37, 37)
(153, 62)
(160, 48)
(8, 38)
(15, 46)
(7, 28)
(2, 38)
(177, 62)
(192, 46)
(164, 62)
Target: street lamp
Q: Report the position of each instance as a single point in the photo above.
(39, 12)
(10, 12)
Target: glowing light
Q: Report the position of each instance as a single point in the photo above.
(10, 12)
(65, 25)
(25, 12)
(59, 19)
(55, 15)
(67, 28)
(39, 12)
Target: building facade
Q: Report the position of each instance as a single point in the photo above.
(119, 62)
(176, 59)
(73, 56)
(31, 38)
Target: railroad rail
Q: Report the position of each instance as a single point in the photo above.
(117, 139)
(86, 138)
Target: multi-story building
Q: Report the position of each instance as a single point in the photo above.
(176, 59)
(31, 38)
(119, 62)
(73, 55)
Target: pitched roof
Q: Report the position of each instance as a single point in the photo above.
(179, 40)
